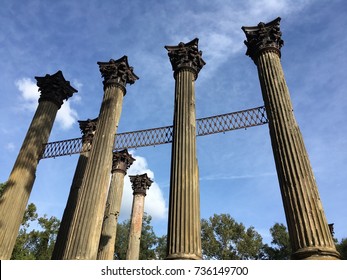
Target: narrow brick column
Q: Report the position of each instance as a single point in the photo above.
(308, 229)
(88, 128)
(140, 184)
(54, 90)
(122, 160)
(184, 230)
(85, 231)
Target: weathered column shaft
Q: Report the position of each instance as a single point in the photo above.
(140, 183)
(54, 89)
(306, 220)
(133, 251)
(88, 128)
(84, 234)
(86, 224)
(308, 229)
(184, 230)
(109, 226)
(121, 162)
(184, 215)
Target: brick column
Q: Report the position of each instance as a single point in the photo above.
(88, 128)
(54, 90)
(84, 236)
(122, 160)
(184, 230)
(308, 229)
(140, 184)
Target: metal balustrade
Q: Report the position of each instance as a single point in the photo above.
(163, 135)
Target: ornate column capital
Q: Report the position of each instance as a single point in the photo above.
(117, 73)
(140, 183)
(122, 160)
(88, 129)
(263, 37)
(186, 56)
(54, 88)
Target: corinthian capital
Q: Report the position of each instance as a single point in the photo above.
(88, 129)
(117, 72)
(140, 183)
(186, 56)
(122, 160)
(54, 88)
(264, 36)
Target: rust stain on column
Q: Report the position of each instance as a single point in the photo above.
(140, 185)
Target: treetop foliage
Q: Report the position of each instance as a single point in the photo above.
(222, 239)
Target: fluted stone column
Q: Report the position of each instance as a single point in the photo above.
(140, 184)
(122, 160)
(184, 230)
(88, 128)
(308, 229)
(54, 90)
(84, 234)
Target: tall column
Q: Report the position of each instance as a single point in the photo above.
(84, 234)
(308, 229)
(54, 90)
(122, 160)
(184, 230)
(88, 128)
(140, 184)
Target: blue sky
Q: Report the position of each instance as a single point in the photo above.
(237, 171)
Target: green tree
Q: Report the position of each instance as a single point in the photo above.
(342, 248)
(280, 249)
(2, 188)
(122, 239)
(225, 239)
(22, 247)
(161, 248)
(147, 244)
(43, 241)
(35, 244)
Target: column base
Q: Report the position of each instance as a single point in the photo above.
(316, 253)
(183, 256)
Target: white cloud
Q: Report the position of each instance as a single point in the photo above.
(77, 96)
(155, 204)
(236, 177)
(66, 116)
(222, 38)
(29, 93)
(283, 7)
(10, 147)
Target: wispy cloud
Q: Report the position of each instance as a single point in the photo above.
(77, 85)
(236, 177)
(29, 94)
(223, 37)
(10, 147)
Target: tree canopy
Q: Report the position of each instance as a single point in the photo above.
(225, 239)
(342, 248)
(2, 188)
(280, 249)
(36, 244)
(222, 239)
